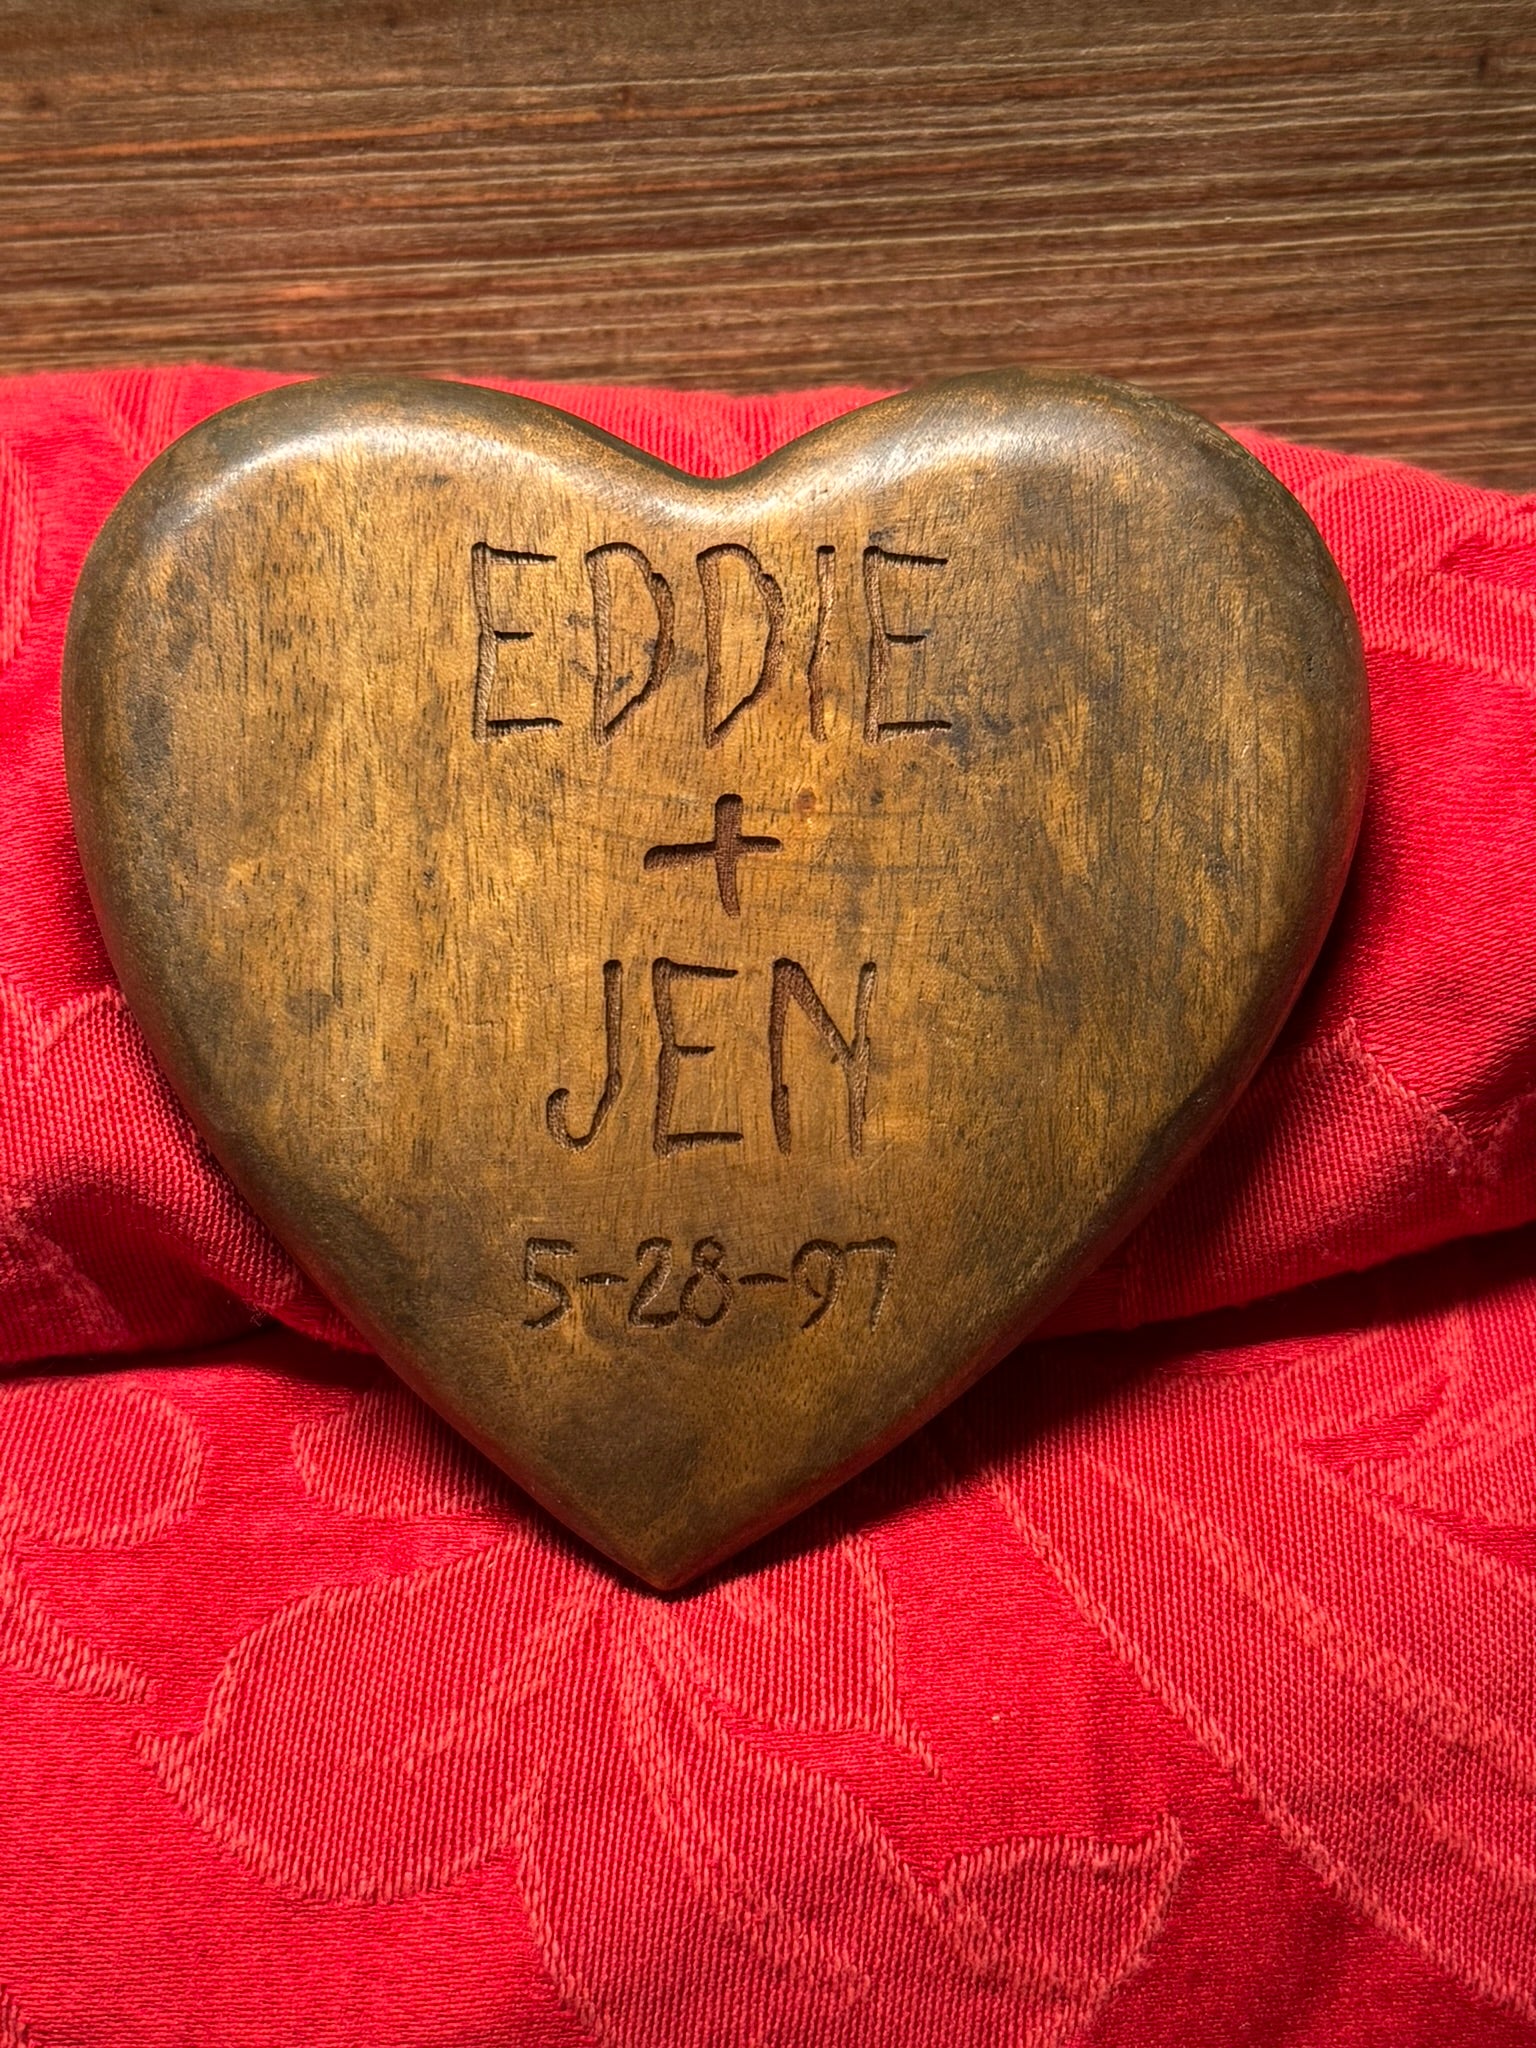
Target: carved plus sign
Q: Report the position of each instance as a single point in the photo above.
(727, 848)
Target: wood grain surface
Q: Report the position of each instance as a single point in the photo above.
(1317, 219)
(697, 970)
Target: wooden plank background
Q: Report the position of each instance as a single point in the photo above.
(1319, 219)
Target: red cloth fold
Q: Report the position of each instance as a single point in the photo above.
(1176, 1686)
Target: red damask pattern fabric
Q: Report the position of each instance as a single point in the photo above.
(1177, 1686)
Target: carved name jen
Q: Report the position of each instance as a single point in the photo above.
(632, 631)
(769, 1037)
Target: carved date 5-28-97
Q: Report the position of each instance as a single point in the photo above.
(655, 1297)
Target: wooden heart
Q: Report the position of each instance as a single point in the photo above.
(696, 969)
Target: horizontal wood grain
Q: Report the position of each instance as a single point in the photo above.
(1320, 220)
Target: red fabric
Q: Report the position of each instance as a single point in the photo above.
(1178, 1686)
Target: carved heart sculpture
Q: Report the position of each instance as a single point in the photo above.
(696, 969)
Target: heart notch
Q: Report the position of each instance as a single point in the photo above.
(696, 969)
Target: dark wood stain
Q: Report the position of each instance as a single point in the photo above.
(694, 1023)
